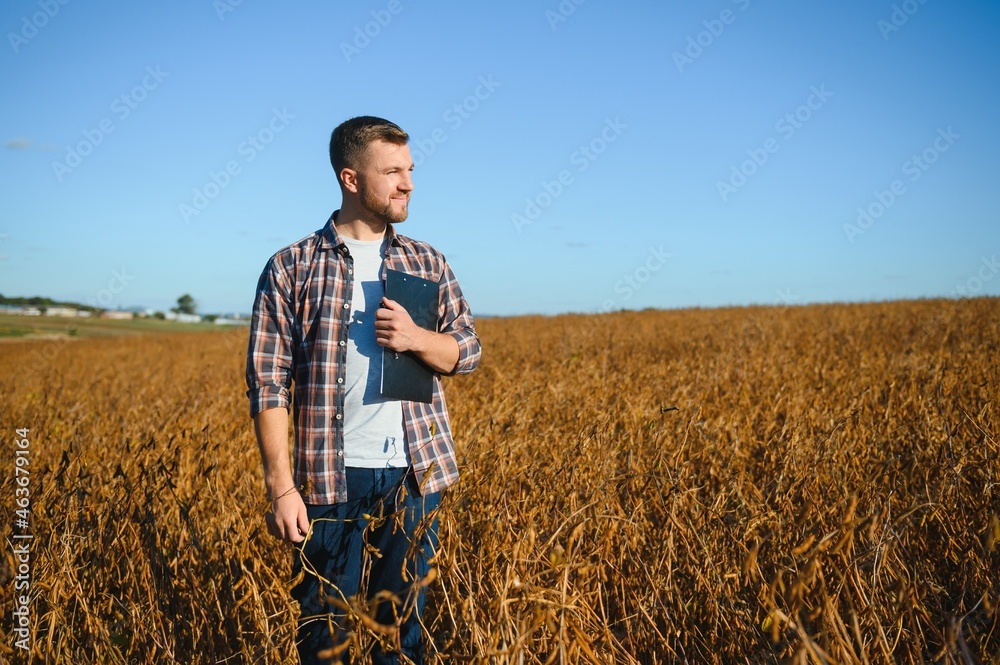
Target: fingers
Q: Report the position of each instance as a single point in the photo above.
(394, 328)
(294, 536)
(291, 530)
(388, 311)
(288, 519)
(390, 316)
(386, 322)
(391, 311)
(303, 524)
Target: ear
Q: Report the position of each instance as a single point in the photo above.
(349, 180)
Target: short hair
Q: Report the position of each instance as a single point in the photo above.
(350, 140)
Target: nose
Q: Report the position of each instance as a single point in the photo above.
(406, 185)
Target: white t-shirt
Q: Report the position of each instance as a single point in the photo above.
(373, 425)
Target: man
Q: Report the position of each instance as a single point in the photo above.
(368, 470)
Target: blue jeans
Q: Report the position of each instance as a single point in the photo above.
(384, 511)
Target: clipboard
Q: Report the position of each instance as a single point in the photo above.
(404, 376)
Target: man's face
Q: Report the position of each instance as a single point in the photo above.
(385, 183)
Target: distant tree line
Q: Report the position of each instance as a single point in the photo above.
(186, 304)
(42, 303)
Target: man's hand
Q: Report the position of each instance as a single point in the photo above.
(287, 520)
(395, 330)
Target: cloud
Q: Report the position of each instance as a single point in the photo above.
(22, 143)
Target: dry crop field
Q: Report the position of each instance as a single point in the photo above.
(812, 484)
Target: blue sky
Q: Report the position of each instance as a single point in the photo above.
(571, 157)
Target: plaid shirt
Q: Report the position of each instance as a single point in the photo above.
(298, 334)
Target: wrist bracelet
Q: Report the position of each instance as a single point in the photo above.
(275, 498)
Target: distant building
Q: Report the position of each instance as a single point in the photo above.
(226, 321)
(116, 315)
(64, 311)
(19, 310)
(182, 318)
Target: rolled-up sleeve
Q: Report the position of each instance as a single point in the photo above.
(270, 362)
(456, 320)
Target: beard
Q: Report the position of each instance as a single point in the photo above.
(381, 210)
